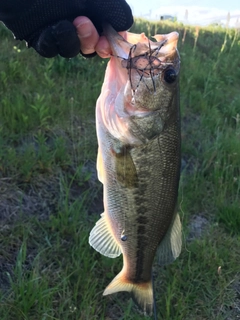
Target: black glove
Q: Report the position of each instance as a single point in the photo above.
(46, 25)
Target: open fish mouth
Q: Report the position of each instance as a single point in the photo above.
(144, 59)
(146, 65)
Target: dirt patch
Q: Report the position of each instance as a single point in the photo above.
(235, 308)
(231, 311)
(198, 226)
(41, 197)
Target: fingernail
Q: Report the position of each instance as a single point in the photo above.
(104, 54)
(84, 29)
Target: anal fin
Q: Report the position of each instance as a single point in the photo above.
(102, 240)
(171, 245)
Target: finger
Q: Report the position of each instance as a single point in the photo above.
(87, 34)
(60, 38)
(123, 34)
(103, 48)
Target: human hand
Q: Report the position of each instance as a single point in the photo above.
(90, 40)
(47, 26)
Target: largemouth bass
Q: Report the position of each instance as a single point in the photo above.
(138, 130)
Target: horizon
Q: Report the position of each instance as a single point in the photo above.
(218, 12)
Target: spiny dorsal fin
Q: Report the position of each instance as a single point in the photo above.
(102, 240)
(170, 247)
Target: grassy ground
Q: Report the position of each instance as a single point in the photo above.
(50, 197)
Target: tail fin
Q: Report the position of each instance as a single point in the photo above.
(142, 293)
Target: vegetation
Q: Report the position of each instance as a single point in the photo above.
(50, 197)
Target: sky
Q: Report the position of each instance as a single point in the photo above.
(201, 12)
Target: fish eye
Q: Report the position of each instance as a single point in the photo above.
(170, 75)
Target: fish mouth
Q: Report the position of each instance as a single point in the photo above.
(143, 61)
(165, 46)
(139, 54)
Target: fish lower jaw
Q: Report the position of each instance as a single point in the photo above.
(133, 109)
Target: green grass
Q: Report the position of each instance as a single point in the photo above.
(50, 197)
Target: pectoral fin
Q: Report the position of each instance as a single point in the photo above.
(102, 240)
(125, 168)
(171, 245)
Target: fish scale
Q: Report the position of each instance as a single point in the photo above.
(139, 164)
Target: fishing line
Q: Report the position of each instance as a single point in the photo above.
(156, 50)
(154, 300)
(183, 217)
(123, 236)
